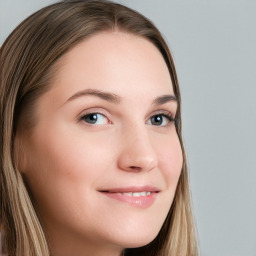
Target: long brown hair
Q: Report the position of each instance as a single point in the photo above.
(27, 62)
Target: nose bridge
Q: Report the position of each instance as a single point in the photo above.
(137, 152)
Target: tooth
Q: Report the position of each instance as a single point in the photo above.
(136, 194)
(128, 194)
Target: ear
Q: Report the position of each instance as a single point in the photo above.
(20, 154)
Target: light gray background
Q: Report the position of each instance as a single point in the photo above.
(214, 46)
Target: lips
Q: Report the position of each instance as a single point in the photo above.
(141, 197)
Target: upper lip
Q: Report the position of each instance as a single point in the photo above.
(131, 189)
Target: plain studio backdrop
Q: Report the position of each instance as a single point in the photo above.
(214, 46)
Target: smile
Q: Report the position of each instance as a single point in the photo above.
(142, 197)
(136, 194)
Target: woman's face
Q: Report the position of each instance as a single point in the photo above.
(104, 158)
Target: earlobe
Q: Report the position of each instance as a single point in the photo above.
(20, 157)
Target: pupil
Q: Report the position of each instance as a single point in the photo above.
(92, 118)
(157, 120)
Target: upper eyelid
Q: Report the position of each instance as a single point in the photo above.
(103, 111)
(163, 112)
(168, 115)
(93, 110)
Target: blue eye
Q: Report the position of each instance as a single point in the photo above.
(95, 118)
(160, 120)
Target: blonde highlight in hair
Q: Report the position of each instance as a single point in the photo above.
(28, 61)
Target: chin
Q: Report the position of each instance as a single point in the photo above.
(139, 239)
(137, 232)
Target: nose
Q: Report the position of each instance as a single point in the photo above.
(137, 152)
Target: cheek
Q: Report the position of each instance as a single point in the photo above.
(64, 154)
(63, 171)
(170, 160)
(62, 164)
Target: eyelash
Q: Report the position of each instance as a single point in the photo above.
(165, 114)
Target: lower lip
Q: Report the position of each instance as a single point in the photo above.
(140, 202)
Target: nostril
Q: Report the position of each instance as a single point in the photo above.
(135, 168)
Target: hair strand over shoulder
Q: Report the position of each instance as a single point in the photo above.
(28, 60)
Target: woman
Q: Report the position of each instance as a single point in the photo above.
(92, 155)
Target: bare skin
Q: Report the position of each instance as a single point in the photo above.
(116, 135)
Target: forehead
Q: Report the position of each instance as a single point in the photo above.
(115, 61)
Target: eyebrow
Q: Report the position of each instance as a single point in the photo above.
(114, 98)
(164, 99)
(107, 96)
